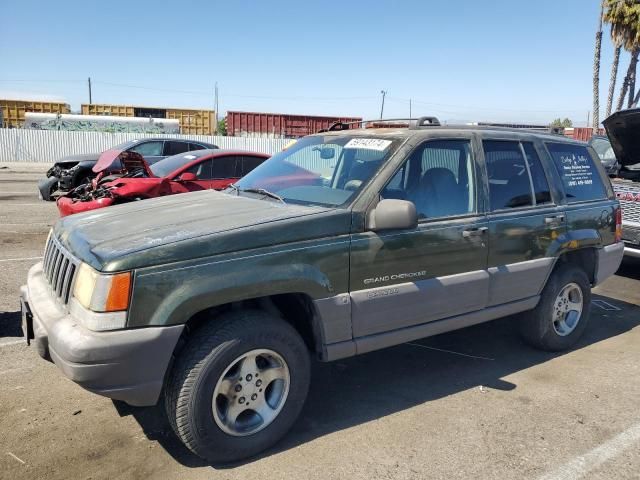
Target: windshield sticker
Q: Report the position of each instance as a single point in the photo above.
(368, 144)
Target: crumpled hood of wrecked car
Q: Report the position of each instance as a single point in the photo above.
(180, 227)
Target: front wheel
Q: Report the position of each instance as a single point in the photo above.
(237, 386)
(562, 314)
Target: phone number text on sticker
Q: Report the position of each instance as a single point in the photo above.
(368, 143)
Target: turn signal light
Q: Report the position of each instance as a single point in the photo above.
(102, 292)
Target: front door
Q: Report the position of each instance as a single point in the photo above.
(437, 270)
(202, 171)
(523, 221)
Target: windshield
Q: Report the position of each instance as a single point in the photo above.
(321, 170)
(170, 164)
(602, 146)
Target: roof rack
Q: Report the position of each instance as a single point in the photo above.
(413, 123)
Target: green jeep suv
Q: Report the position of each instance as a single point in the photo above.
(348, 241)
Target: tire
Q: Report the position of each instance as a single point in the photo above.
(205, 360)
(538, 327)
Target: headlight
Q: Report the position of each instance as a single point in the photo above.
(102, 292)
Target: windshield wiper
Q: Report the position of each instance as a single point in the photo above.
(233, 187)
(262, 191)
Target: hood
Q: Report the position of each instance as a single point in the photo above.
(623, 130)
(190, 226)
(127, 162)
(79, 158)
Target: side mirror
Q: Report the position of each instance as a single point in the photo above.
(188, 177)
(327, 153)
(391, 214)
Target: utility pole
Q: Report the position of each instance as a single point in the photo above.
(89, 90)
(588, 116)
(215, 106)
(410, 109)
(384, 93)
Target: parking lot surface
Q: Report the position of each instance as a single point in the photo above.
(476, 403)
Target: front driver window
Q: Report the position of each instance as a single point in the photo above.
(202, 170)
(438, 178)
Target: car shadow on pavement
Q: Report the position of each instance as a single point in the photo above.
(630, 268)
(357, 390)
(10, 324)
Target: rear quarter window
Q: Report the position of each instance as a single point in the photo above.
(579, 175)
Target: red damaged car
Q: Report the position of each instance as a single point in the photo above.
(134, 179)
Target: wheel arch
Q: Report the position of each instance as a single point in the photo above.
(295, 308)
(585, 258)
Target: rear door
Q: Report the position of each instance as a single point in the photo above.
(174, 147)
(248, 163)
(436, 270)
(524, 220)
(586, 188)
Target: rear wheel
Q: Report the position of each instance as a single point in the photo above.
(562, 314)
(237, 386)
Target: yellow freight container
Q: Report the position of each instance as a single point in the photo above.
(103, 109)
(192, 121)
(13, 110)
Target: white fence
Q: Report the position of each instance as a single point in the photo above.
(18, 145)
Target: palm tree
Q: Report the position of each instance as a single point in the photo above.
(596, 72)
(632, 75)
(614, 74)
(624, 18)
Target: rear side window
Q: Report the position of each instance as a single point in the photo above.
(195, 146)
(509, 182)
(249, 163)
(579, 175)
(174, 148)
(224, 167)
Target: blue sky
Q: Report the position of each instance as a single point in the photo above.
(468, 60)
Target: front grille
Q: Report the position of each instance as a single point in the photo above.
(630, 208)
(630, 211)
(59, 269)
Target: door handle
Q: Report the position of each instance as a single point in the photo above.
(554, 219)
(474, 232)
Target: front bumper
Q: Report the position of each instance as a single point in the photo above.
(66, 205)
(632, 251)
(127, 365)
(631, 237)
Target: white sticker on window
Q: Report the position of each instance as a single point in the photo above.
(368, 143)
(576, 171)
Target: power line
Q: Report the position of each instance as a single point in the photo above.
(469, 107)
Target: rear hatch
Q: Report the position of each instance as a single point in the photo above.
(623, 130)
